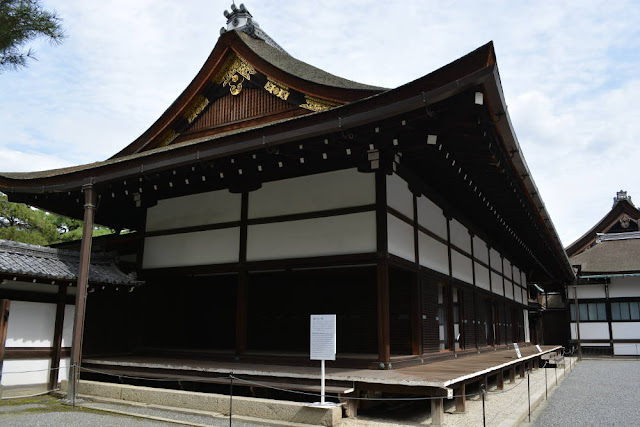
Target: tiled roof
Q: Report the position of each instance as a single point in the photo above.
(40, 262)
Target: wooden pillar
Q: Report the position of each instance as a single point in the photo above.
(461, 398)
(242, 292)
(384, 338)
(382, 285)
(500, 380)
(485, 381)
(512, 375)
(90, 199)
(57, 336)
(522, 370)
(5, 305)
(416, 294)
(536, 363)
(351, 406)
(437, 411)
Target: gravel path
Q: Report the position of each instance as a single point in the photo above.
(597, 393)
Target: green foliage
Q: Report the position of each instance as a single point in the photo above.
(22, 223)
(20, 22)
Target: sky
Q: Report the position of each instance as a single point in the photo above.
(570, 71)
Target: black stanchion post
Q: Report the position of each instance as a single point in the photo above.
(546, 385)
(529, 392)
(230, 398)
(484, 417)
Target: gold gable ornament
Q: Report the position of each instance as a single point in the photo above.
(237, 72)
(317, 104)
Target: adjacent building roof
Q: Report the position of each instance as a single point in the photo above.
(622, 218)
(39, 262)
(616, 254)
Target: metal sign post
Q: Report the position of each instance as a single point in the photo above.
(323, 347)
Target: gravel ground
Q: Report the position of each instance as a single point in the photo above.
(601, 392)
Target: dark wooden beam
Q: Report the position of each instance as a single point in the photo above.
(57, 336)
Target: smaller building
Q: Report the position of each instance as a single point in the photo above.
(37, 303)
(607, 259)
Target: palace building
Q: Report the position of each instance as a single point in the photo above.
(607, 259)
(271, 190)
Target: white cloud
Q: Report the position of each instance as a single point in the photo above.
(569, 71)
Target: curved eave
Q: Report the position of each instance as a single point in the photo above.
(477, 69)
(506, 131)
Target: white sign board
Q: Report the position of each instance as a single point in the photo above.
(517, 350)
(323, 337)
(539, 349)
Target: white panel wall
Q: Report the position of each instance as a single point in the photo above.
(496, 261)
(516, 275)
(625, 330)
(506, 268)
(398, 195)
(197, 209)
(525, 296)
(626, 349)
(460, 236)
(527, 336)
(496, 284)
(430, 216)
(482, 276)
(336, 235)
(508, 289)
(433, 254)
(198, 248)
(621, 287)
(480, 250)
(31, 324)
(67, 326)
(461, 267)
(331, 190)
(401, 242)
(591, 331)
(12, 370)
(587, 291)
(63, 373)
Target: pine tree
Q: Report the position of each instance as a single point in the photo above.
(20, 22)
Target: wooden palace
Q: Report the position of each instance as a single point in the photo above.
(270, 190)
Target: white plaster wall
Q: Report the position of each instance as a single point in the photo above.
(525, 296)
(496, 284)
(591, 331)
(197, 209)
(430, 216)
(460, 236)
(480, 250)
(31, 324)
(621, 287)
(400, 235)
(433, 254)
(587, 291)
(67, 325)
(626, 349)
(461, 267)
(398, 195)
(335, 235)
(496, 261)
(12, 371)
(482, 276)
(516, 275)
(506, 268)
(63, 373)
(625, 330)
(198, 248)
(508, 289)
(324, 191)
(523, 279)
